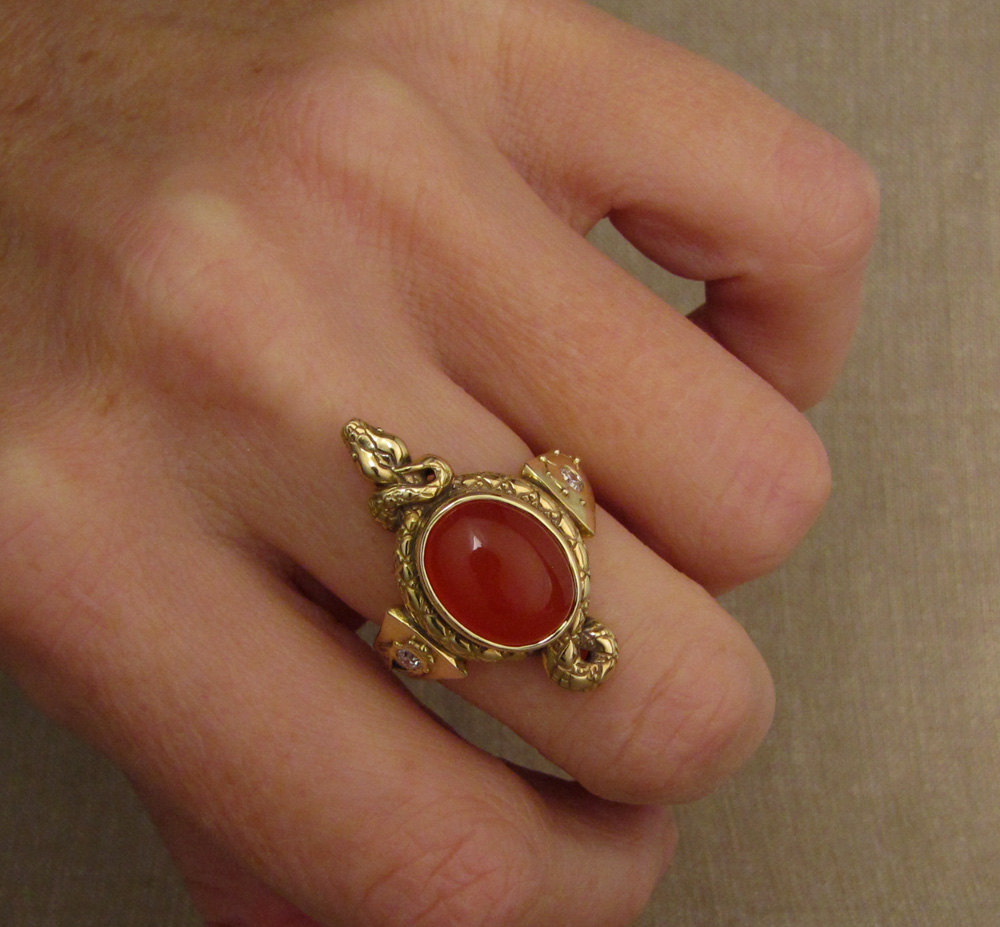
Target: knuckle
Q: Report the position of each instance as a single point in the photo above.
(206, 318)
(324, 117)
(468, 867)
(170, 264)
(357, 138)
(779, 483)
(697, 722)
(829, 198)
(37, 495)
(50, 590)
(20, 515)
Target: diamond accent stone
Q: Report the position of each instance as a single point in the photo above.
(572, 479)
(409, 661)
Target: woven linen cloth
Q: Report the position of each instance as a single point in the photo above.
(876, 799)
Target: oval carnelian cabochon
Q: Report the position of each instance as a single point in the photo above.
(499, 572)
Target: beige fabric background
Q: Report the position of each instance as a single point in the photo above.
(876, 800)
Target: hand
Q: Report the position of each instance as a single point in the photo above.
(226, 229)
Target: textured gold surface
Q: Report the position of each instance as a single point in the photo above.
(408, 498)
(875, 801)
(398, 633)
(563, 476)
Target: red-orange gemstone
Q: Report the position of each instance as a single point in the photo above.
(499, 572)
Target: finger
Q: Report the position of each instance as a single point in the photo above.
(692, 698)
(224, 890)
(553, 339)
(697, 455)
(706, 175)
(228, 696)
(706, 462)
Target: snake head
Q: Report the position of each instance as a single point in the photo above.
(378, 454)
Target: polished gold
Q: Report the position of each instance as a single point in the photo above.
(561, 475)
(422, 639)
(398, 639)
(522, 496)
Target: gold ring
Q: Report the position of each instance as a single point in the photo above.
(490, 567)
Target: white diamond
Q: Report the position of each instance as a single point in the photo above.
(409, 661)
(572, 479)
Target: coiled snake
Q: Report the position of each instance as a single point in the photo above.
(424, 638)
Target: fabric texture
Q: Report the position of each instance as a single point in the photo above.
(876, 798)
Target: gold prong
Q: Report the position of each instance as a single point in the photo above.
(406, 649)
(560, 474)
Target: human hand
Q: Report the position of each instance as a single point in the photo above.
(228, 228)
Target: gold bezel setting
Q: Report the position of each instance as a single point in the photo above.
(422, 638)
(523, 497)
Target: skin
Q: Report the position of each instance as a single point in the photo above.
(225, 229)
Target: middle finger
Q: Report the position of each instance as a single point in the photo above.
(690, 698)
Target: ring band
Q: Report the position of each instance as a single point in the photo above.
(490, 567)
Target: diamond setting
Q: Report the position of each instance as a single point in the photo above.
(572, 479)
(410, 662)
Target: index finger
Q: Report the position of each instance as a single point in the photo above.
(230, 700)
(708, 177)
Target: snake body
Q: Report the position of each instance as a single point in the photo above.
(406, 491)
(419, 484)
(581, 661)
(385, 460)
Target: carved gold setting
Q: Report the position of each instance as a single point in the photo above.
(421, 638)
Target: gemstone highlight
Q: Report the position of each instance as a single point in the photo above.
(500, 572)
(572, 479)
